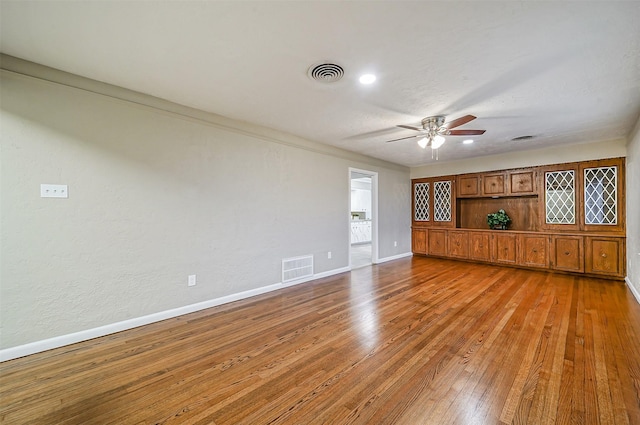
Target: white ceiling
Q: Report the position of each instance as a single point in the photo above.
(565, 72)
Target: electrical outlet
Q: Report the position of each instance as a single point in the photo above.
(192, 280)
(54, 191)
(395, 243)
(329, 255)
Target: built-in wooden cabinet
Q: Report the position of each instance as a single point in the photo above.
(565, 217)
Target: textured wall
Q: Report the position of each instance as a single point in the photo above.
(154, 197)
(633, 209)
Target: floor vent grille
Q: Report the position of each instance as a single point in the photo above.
(297, 268)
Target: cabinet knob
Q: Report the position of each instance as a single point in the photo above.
(604, 255)
(566, 253)
(535, 250)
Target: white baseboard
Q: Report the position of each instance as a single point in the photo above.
(633, 289)
(60, 341)
(394, 257)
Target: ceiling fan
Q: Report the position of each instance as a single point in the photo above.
(435, 128)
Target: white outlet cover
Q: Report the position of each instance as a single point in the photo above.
(192, 280)
(54, 191)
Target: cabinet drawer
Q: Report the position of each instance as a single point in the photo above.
(534, 251)
(567, 253)
(605, 256)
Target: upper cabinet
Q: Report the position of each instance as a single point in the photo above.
(433, 202)
(602, 204)
(559, 206)
(521, 182)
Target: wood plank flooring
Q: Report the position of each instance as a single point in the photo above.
(413, 341)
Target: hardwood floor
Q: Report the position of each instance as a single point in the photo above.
(414, 341)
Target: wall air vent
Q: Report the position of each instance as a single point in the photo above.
(297, 268)
(522, 138)
(326, 72)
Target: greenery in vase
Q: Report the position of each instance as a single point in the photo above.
(498, 219)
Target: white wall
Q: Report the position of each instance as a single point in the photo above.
(556, 155)
(155, 196)
(633, 211)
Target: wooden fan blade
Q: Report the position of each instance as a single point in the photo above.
(404, 138)
(465, 132)
(410, 128)
(459, 121)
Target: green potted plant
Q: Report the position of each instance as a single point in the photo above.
(498, 220)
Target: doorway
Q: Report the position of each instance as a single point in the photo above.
(363, 218)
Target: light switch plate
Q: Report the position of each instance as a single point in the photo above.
(54, 191)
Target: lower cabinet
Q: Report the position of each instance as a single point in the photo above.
(479, 248)
(504, 248)
(419, 241)
(437, 242)
(596, 255)
(605, 256)
(458, 244)
(534, 250)
(567, 253)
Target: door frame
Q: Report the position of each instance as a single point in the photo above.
(374, 212)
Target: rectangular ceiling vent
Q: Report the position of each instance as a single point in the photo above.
(297, 268)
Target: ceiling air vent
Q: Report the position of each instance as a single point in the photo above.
(326, 72)
(522, 138)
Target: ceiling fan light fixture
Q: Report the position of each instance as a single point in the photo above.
(423, 142)
(437, 141)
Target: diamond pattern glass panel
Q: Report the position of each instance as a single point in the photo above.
(560, 196)
(421, 201)
(600, 195)
(442, 201)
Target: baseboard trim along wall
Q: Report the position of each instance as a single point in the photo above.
(394, 257)
(61, 341)
(633, 290)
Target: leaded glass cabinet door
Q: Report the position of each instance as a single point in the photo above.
(443, 205)
(422, 202)
(602, 206)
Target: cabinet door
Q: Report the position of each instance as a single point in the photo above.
(458, 244)
(493, 184)
(534, 251)
(443, 205)
(421, 202)
(522, 183)
(419, 241)
(468, 186)
(559, 206)
(605, 256)
(567, 253)
(479, 246)
(504, 247)
(602, 200)
(437, 242)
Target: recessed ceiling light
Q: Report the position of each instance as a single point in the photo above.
(467, 142)
(367, 78)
